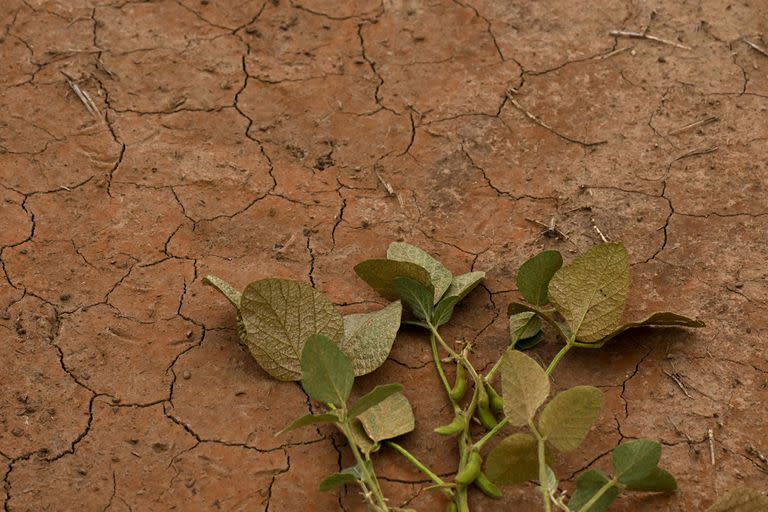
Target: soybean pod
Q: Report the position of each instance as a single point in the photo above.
(454, 427)
(471, 470)
(488, 487)
(460, 386)
(484, 413)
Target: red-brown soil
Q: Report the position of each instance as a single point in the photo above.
(251, 139)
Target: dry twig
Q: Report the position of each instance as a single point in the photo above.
(697, 152)
(82, 95)
(754, 46)
(711, 436)
(695, 124)
(643, 35)
(676, 377)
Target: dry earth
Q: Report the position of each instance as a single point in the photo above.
(252, 139)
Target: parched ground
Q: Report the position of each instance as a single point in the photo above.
(294, 139)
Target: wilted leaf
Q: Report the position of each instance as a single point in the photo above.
(326, 373)
(463, 284)
(657, 480)
(741, 499)
(278, 316)
(368, 337)
(444, 310)
(418, 298)
(567, 418)
(440, 276)
(587, 485)
(376, 396)
(591, 292)
(552, 482)
(513, 461)
(524, 386)
(381, 275)
(660, 319)
(224, 288)
(534, 275)
(309, 419)
(634, 460)
(390, 418)
(523, 325)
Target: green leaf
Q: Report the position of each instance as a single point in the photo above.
(327, 373)
(567, 418)
(444, 310)
(513, 461)
(368, 337)
(529, 343)
(310, 419)
(635, 460)
(389, 418)
(741, 499)
(350, 475)
(587, 485)
(519, 307)
(277, 318)
(226, 290)
(440, 276)
(376, 396)
(523, 325)
(524, 386)
(591, 292)
(552, 482)
(659, 319)
(463, 284)
(534, 275)
(381, 275)
(657, 480)
(418, 298)
(337, 480)
(360, 437)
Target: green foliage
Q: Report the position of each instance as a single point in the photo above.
(741, 499)
(295, 333)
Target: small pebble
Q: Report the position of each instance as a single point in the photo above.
(186, 375)
(17, 432)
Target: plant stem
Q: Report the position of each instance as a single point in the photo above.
(420, 466)
(439, 366)
(568, 346)
(599, 494)
(493, 371)
(543, 480)
(373, 492)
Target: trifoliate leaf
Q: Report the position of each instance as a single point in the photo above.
(360, 437)
(741, 499)
(513, 461)
(230, 293)
(529, 343)
(546, 315)
(587, 485)
(524, 386)
(523, 325)
(634, 460)
(463, 284)
(416, 296)
(390, 418)
(376, 396)
(440, 276)
(381, 275)
(278, 316)
(591, 292)
(309, 419)
(657, 480)
(534, 275)
(567, 418)
(326, 372)
(368, 337)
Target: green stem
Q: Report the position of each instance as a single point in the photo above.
(496, 366)
(543, 480)
(420, 466)
(599, 494)
(368, 477)
(568, 346)
(440, 371)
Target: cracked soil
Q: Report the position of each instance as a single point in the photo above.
(293, 139)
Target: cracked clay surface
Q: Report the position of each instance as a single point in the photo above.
(252, 139)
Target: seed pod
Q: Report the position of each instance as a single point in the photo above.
(454, 427)
(496, 403)
(484, 413)
(488, 487)
(472, 469)
(460, 386)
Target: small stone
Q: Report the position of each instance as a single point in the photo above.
(18, 432)
(186, 375)
(738, 284)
